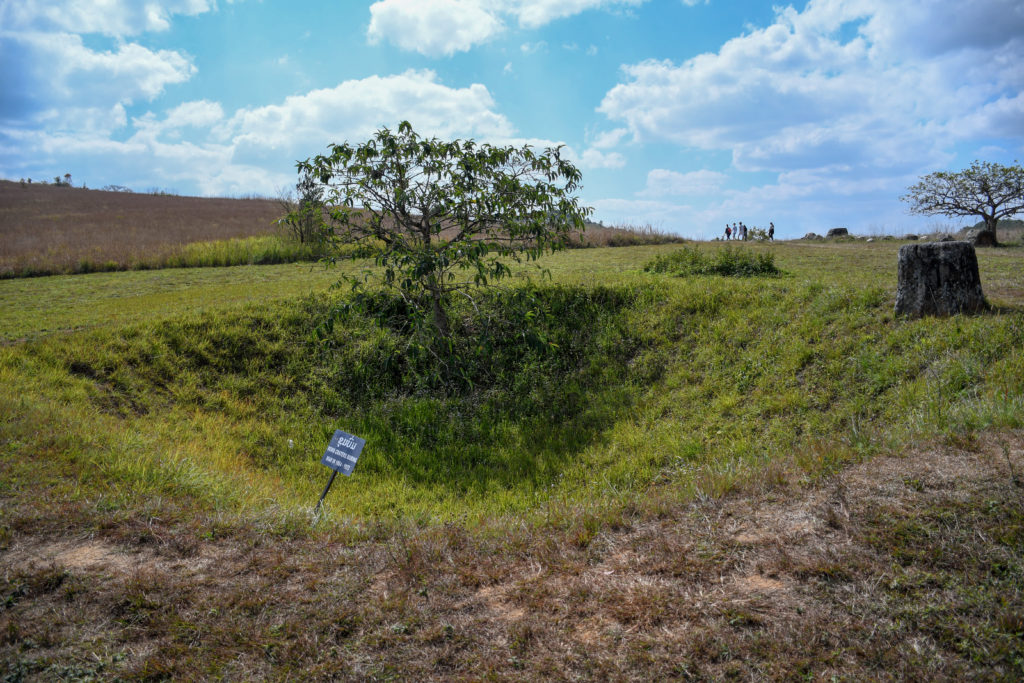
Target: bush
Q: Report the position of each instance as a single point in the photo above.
(730, 261)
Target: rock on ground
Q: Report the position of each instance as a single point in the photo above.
(938, 278)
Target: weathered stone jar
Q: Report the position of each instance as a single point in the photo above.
(939, 278)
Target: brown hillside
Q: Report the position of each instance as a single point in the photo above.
(46, 229)
(47, 224)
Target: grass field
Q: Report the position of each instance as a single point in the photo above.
(705, 477)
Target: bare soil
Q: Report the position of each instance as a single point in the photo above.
(899, 568)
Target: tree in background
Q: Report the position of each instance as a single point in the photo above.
(442, 218)
(305, 214)
(991, 191)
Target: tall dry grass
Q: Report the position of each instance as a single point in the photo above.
(597, 235)
(46, 229)
(49, 229)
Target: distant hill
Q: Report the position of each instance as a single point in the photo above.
(60, 224)
(47, 229)
(71, 214)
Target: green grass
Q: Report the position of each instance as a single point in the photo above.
(729, 261)
(263, 250)
(654, 485)
(657, 389)
(240, 251)
(36, 307)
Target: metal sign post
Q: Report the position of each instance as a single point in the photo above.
(341, 456)
(323, 495)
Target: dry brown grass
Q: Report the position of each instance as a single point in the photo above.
(896, 569)
(597, 235)
(46, 228)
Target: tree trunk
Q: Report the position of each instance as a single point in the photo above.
(990, 226)
(440, 315)
(987, 236)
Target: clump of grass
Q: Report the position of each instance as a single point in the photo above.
(729, 261)
(262, 250)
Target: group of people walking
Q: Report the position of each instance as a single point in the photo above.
(738, 231)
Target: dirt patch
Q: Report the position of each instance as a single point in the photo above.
(758, 584)
(497, 606)
(87, 555)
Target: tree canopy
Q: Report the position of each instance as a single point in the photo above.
(441, 218)
(989, 190)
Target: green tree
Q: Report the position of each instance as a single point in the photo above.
(989, 190)
(443, 218)
(304, 220)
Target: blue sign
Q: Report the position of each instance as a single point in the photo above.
(343, 452)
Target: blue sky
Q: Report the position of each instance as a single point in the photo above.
(682, 114)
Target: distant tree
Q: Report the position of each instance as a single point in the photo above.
(989, 190)
(305, 219)
(443, 217)
(67, 179)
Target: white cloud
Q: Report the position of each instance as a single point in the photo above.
(609, 139)
(432, 27)
(847, 102)
(92, 120)
(199, 114)
(800, 201)
(593, 158)
(443, 27)
(202, 115)
(536, 13)
(197, 144)
(866, 82)
(662, 182)
(63, 69)
(661, 215)
(355, 109)
(47, 64)
(64, 100)
(108, 17)
(935, 27)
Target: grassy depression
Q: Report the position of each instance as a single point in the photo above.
(637, 392)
